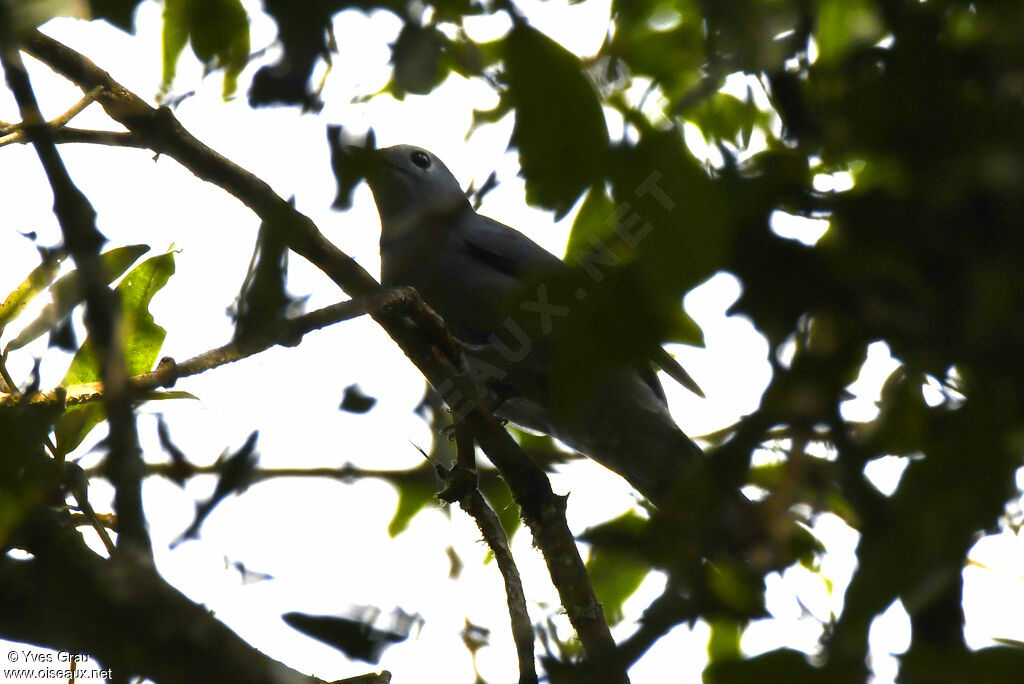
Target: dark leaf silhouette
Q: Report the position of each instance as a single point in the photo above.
(356, 401)
(357, 634)
(235, 473)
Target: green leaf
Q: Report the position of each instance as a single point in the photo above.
(927, 663)
(161, 395)
(26, 14)
(469, 58)
(141, 339)
(117, 12)
(593, 223)
(724, 642)
(81, 394)
(40, 277)
(734, 588)
(263, 301)
(727, 118)
(174, 38)
(683, 329)
(665, 41)
(671, 232)
(417, 489)
(416, 56)
(489, 116)
(28, 475)
(541, 448)
(560, 129)
(498, 495)
(1014, 643)
(412, 498)
(67, 293)
(615, 572)
(219, 31)
(615, 577)
(678, 218)
(781, 665)
(844, 25)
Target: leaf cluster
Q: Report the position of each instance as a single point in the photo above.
(916, 105)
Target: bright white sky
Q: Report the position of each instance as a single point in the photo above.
(303, 532)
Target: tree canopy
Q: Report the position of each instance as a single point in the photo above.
(917, 104)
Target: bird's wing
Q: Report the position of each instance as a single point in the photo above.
(650, 378)
(511, 253)
(506, 250)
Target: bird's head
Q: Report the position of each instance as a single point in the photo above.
(410, 184)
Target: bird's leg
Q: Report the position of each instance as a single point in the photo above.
(497, 396)
(406, 301)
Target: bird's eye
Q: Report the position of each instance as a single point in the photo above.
(421, 159)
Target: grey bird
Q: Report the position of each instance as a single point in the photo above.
(480, 276)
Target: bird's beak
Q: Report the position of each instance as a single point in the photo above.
(364, 161)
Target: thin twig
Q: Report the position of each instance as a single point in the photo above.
(77, 220)
(345, 473)
(673, 607)
(473, 503)
(95, 523)
(168, 371)
(522, 631)
(81, 135)
(8, 381)
(77, 108)
(121, 612)
(16, 133)
(76, 480)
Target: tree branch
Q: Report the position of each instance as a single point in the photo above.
(168, 372)
(77, 220)
(465, 491)
(425, 346)
(345, 473)
(67, 597)
(15, 133)
(522, 630)
(664, 613)
(64, 134)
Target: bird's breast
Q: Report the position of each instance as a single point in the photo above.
(469, 297)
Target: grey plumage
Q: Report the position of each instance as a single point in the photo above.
(476, 273)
